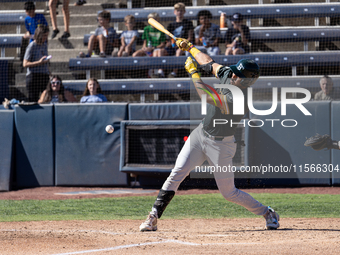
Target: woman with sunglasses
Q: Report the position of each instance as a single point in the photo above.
(93, 92)
(56, 93)
(36, 61)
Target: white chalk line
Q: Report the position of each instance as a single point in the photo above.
(148, 243)
(121, 246)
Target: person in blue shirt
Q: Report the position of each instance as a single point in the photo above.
(93, 92)
(32, 21)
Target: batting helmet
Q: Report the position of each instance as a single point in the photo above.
(248, 70)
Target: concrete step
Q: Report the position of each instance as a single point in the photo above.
(63, 55)
(20, 78)
(71, 43)
(85, 9)
(77, 31)
(76, 19)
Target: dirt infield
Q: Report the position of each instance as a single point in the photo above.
(194, 236)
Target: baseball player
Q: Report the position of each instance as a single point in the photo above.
(215, 144)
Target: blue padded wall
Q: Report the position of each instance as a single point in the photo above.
(335, 134)
(6, 148)
(165, 111)
(285, 145)
(34, 145)
(85, 153)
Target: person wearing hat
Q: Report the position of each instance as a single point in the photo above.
(237, 37)
(212, 142)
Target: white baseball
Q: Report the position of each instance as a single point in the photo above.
(109, 129)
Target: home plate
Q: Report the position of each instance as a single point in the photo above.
(98, 192)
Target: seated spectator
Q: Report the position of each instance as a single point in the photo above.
(153, 45)
(128, 38)
(237, 38)
(56, 93)
(53, 12)
(93, 92)
(32, 21)
(37, 75)
(181, 28)
(207, 34)
(104, 39)
(327, 91)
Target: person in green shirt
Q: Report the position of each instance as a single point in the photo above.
(153, 45)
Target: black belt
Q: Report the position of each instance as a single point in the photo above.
(216, 138)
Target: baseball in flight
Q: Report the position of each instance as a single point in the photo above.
(109, 129)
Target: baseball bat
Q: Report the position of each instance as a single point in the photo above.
(161, 28)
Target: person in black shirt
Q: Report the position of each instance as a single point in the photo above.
(237, 38)
(182, 28)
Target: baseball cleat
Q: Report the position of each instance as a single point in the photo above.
(272, 219)
(150, 224)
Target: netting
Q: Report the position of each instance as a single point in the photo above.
(295, 43)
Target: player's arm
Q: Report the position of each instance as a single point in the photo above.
(213, 98)
(206, 62)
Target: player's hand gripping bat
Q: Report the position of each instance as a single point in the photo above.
(161, 28)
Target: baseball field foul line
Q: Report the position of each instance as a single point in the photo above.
(143, 244)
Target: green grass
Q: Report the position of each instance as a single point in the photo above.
(181, 207)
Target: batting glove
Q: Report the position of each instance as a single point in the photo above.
(183, 44)
(191, 66)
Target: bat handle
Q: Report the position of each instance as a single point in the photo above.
(175, 38)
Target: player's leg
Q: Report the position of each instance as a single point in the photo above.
(229, 51)
(190, 156)
(220, 155)
(53, 9)
(139, 53)
(93, 41)
(102, 44)
(238, 51)
(66, 13)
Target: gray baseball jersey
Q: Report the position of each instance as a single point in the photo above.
(200, 147)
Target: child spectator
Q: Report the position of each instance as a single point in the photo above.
(32, 21)
(128, 38)
(207, 34)
(237, 38)
(104, 39)
(37, 65)
(181, 28)
(93, 92)
(153, 45)
(53, 11)
(56, 93)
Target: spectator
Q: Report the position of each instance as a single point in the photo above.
(37, 65)
(80, 3)
(181, 28)
(32, 21)
(128, 38)
(153, 45)
(104, 39)
(237, 38)
(66, 13)
(56, 93)
(93, 92)
(207, 34)
(327, 91)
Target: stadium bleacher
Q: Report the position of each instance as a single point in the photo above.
(290, 59)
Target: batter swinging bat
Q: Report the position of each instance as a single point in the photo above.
(161, 28)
